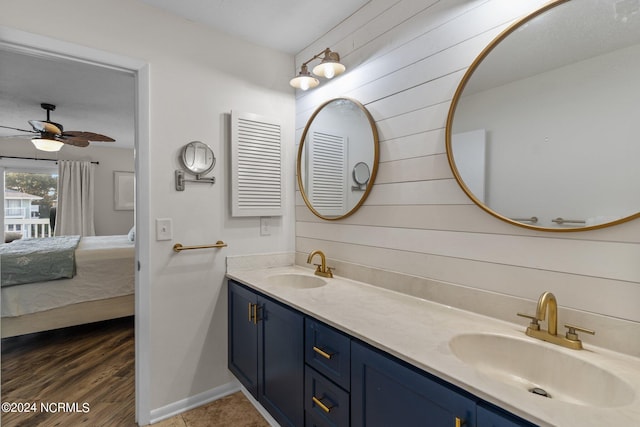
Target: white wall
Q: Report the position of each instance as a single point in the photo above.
(197, 76)
(404, 62)
(108, 221)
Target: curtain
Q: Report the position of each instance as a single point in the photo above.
(75, 199)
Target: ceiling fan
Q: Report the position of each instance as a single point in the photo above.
(51, 136)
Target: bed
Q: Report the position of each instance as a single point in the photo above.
(101, 288)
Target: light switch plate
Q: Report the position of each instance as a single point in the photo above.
(164, 229)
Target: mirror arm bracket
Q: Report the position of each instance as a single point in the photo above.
(180, 180)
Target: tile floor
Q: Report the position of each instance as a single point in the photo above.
(230, 411)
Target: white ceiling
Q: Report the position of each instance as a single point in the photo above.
(285, 25)
(87, 97)
(95, 99)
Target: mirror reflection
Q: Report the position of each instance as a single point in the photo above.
(337, 158)
(361, 175)
(543, 130)
(197, 157)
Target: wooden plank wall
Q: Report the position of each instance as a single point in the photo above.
(405, 59)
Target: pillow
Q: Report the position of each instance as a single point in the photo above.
(132, 234)
(10, 236)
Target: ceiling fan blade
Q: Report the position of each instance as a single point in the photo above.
(42, 126)
(88, 136)
(19, 130)
(78, 142)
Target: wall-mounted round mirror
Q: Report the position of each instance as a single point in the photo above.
(543, 131)
(338, 136)
(197, 157)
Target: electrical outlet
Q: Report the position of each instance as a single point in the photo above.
(265, 226)
(164, 229)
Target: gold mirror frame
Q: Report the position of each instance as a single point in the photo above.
(374, 167)
(449, 124)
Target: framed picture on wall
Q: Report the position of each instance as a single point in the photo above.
(123, 190)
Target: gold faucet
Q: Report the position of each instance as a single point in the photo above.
(322, 269)
(548, 302)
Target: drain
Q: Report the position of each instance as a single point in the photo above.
(540, 392)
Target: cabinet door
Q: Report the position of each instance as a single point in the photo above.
(281, 362)
(489, 417)
(243, 337)
(385, 392)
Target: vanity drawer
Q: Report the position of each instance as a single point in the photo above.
(325, 404)
(329, 352)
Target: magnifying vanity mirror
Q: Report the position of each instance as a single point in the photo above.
(544, 129)
(361, 175)
(337, 158)
(197, 157)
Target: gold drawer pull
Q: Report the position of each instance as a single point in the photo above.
(322, 406)
(460, 422)
(255, 313)
(322, 352)
(250, 313)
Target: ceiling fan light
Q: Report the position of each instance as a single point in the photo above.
(44, 144)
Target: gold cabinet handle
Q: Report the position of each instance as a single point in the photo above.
(255, 313)
(460, 422)
(321, 405)
(250, 312)
(322, 352)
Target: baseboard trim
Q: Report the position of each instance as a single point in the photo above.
(266, 415)
(191, 402)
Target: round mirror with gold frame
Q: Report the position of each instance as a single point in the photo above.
(339, 137)
(543, 129)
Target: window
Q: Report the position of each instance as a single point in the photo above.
(29, 199)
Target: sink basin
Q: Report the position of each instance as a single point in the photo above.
(298, 281)
(541, 369)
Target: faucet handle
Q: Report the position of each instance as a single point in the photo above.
(534, 321)
(573, 335)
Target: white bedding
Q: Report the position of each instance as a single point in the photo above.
(104, 269)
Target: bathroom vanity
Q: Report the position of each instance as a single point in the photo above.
(317, 375)
(331, 351)
(321, 351)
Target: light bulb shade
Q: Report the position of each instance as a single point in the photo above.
(328, 69)
(44, 144)
(304, 80)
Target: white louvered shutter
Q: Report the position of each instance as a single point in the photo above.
(256, 166)
(327, 169)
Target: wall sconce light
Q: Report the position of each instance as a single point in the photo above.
(328, 68)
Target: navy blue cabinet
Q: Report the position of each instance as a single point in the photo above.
(386, 392)
(266, 352)
(344, 382)
(496, 417)
(243, 337)
(328, 351)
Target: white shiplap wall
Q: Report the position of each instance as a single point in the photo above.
(405, 59)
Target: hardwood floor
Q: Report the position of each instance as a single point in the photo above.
(89, 369)
(94, 365)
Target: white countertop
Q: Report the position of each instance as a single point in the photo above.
(418, 332)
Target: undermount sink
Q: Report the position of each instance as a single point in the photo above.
(541, 369)
(298, 281)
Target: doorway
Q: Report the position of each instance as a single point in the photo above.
(45, 47)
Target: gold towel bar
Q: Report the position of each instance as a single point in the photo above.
(178, 246)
